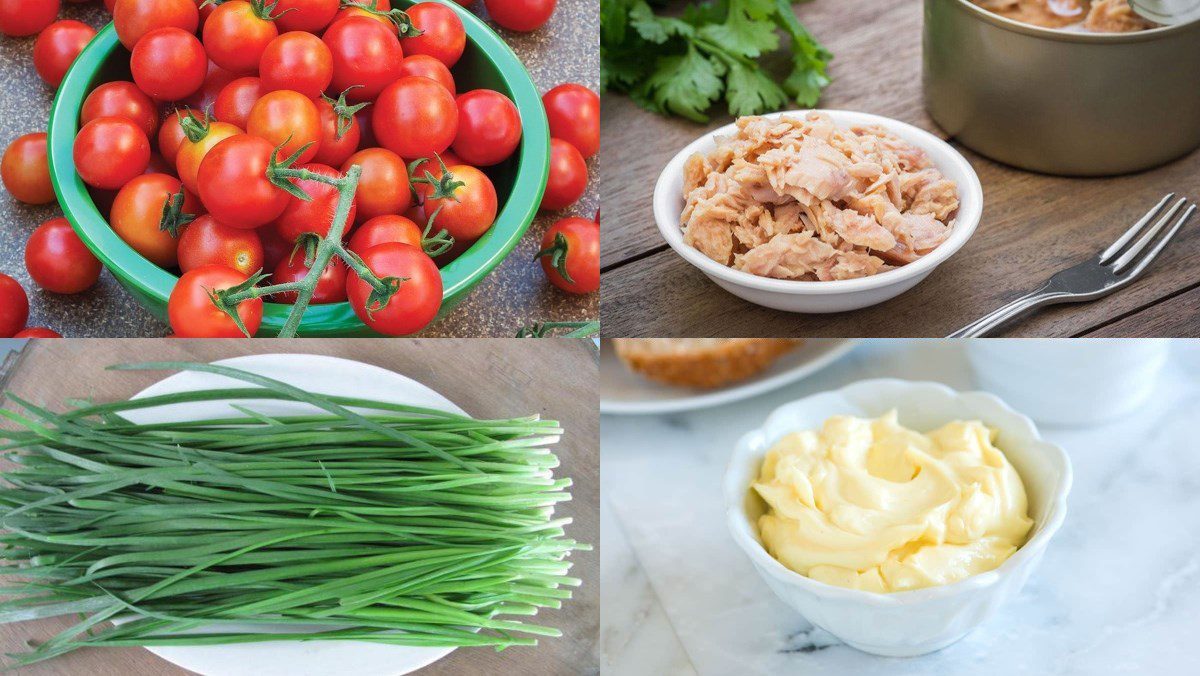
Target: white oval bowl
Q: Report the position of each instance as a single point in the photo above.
(837, 295)
(909, 623)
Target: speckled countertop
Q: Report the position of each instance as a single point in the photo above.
(516, 294)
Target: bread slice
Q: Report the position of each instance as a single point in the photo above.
(700, 362)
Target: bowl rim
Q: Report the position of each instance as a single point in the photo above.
(1063, 35)
(666, 216)
(738, 521)
(151, 281)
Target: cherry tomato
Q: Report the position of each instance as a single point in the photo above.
(574, 114)
(56, 48)
(414, 305)
(570, 255)
(423, 65)
(206, 97)
(432, 166)
(363, 118)
(19, 18)
(137, 216)
(384, 229)
(415, 117)
(58, 261)
(236, 99)
(171, 134)
(275, 247)
(25, 170)
(133, 19)
(331, 285)
(383, 187)
(206, 241)
(289, 120)
(109, 151)
(568, 176)
(362, 9)
(37, 332)
(315, 215)
(366, 53)
(14, 306)
(442, 36)
(311, 16)
(200, 137)
(520, 15)
(296, 61)
(489, 128)
(237, 33)
(169, 64)
(472, 209)
(121, 99)
(206, 9)
(340, 138)
(192, 314)
(234, 185)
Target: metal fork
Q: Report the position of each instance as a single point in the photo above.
(1098, 276)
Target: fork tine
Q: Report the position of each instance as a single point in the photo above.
(1162, 244)
(1132, 232)
(1129, 256)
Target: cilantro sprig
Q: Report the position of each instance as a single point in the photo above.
(684, 65)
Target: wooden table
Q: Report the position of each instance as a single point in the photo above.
(1033, 225)
(493, 378)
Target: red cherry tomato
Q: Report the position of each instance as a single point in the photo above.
(169, 64)
(38, 332)
(316, 214)
(442, 34)
(362, 8)
(414, 305)
(192, 314)
(415, 117)
(133, 19)
(14, 306)
(137, 216)
(58, 261)
(489, 128)
(206, 97)
(472, 209)
(423, 65)
(383, 187)
(520, 15)
(25, 170)
(384, 229)
(171, 134)
(56, 48)
(234, 185)
(236, 99)
(363, 118)
(340, 138)
(331, 285)
(237, 33)
(311, 16)
(206, 9)
(275, 247)
(121, 99)
(289, 120)
(109, 151)
(365, 53)
(570, 255)
(568, 176)
(422, 168)
(574, 114)
(296, 61)
(201, 136)
(19, 18)
(208, 242)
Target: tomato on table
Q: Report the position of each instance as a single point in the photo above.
(331, 285)
(315, 215)
(133, 19)
(25, 171)
(414, 305)
(489, 128)
(442, 34)
(206, 241)
(365, 53)
(58, 261)
(19, 18)
(14, 306)
(288, 120)
(37, 332)
(305, 15)
(121, 98)
(110, 151)
(384, 229)
(296, 61)
(56, 48)
(520, 15)
(383, 187)
(234, 186)
(138, 213)
(415, 118)
(200, 136)
(192, 313)
(470, 211)
(169, 64)
(237, 33)
(423, 65)
(341, 134)
(570, 255)
(574, 114)
(568, 176)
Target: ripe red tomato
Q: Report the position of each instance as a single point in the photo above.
(315, 215)
(296, 61)
(109, 151)
(431, 166)
(275, 247)
(206, 9)
(568, 176)
(14, 305)
(289, 120)
(414, 305)
(19, 18)
(520, 15)
(363, 11)
(169, 64)
(365, 53)
(331, 285)
(574, 114)
(236, 99)
(207, 241)
(206, 97)
(442, 36)
(56, 48)
(237, 33)
(489, 128)
(37, 332)
(133, 19)
(339, 138)
(137, 214)
(25, 170)
(58, 261)
(121, 99)
(384, 229)
(234, 185)
(200, 137)
(383, 187)
(423, 65)
(570, 255)
(305, 15)
(415, 117)
(192, 314)
(171, 134)
(472, 209)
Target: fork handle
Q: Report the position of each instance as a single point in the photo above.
(993, 320)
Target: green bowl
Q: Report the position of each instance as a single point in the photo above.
(487, 62)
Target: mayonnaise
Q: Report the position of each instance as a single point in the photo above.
(872, 505)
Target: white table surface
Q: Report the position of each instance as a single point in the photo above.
(1117, 593)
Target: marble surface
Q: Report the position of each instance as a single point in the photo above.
(1118, 591)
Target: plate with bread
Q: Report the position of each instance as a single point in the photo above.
(666, 375)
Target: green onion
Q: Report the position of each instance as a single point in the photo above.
(373, 521)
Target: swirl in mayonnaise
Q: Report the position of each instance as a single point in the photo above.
(872, 505)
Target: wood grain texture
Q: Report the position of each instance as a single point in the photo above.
(1032, 226)
(487, 377)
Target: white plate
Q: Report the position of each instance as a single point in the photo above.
(623, 392)
(327, 375)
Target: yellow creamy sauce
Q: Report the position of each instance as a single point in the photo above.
(872, 505)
